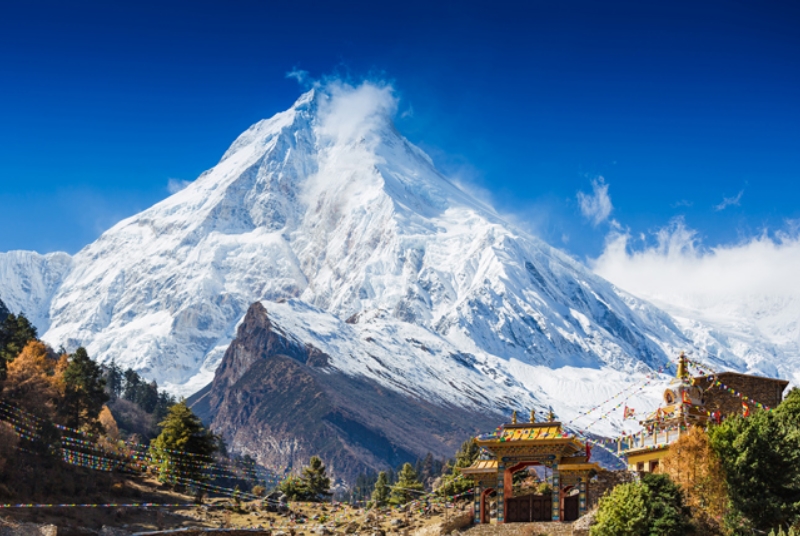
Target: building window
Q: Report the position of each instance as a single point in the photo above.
(640, 466)
(653, 466)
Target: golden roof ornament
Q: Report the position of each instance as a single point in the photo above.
(683, 372)
(514, 417)
(551, 416)
(533, 415)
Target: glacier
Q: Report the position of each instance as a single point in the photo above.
(353, 240)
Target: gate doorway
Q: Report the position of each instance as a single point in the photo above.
(529, 508)
(571, 508)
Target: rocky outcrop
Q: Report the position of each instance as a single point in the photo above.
(282, 402)
(11, 528)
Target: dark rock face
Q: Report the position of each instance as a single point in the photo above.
(282, 402)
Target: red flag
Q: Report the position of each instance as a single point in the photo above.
(686, 399)
(745, 409)
(628, 413)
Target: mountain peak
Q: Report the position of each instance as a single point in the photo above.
(326, 205)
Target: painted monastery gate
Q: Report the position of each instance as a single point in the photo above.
(515, 447)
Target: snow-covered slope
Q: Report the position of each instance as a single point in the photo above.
(328, 205)
(760, 334)
(28, 282)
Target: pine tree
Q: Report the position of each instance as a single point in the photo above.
(4, 312)
(407, 486)
(113, 376)
(183, 446)
(453, 482)
(380, 495)
(467, 454)
(15, 332)
(132, 382)
(315, 481)
(165, 401)
(84, 391)
(293, 488)
(760, 456)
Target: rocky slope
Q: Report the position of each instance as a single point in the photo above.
(282, 401)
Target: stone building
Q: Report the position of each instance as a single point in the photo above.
(696, 401)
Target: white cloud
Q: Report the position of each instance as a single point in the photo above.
(678, 270)
(729, 201)
(353, 112)
(596, 207)
(176, 185)
(298, 74)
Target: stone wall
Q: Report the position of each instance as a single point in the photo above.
(457, 523)
(767, 391)
(526, 529)
(603, 483)
(206, 532)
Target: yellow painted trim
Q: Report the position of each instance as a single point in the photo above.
(645, 456)
(578, 467)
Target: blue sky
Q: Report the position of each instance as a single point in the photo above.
(678, 106)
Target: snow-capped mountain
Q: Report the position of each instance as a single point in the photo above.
(328, 206)
(28, 282)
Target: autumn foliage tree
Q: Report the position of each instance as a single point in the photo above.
(696, 468)
(34, 380)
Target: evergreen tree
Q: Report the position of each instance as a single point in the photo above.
(113, 376)
(622, 512)
(364, 485)
(84, 391)
(315, 482)
(453, 482)
(183, 446)
(467, 454)
(293, 488)
(148, 396)
(132, 383)
(15, 332)
(407, 485)
(760, 457)
(380, 495)
(653, 506)
(162, 406)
